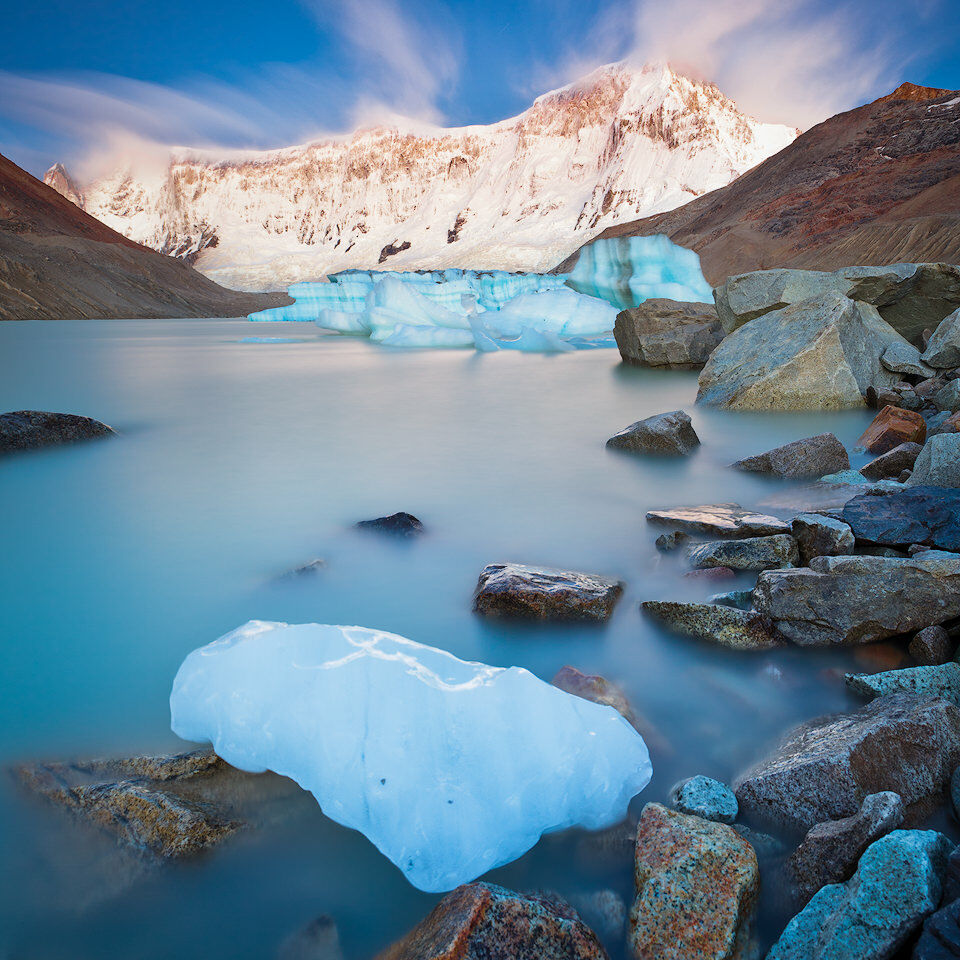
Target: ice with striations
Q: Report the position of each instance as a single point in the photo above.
(450, 768)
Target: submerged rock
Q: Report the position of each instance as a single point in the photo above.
(825, 768)
(830, 851)
(821, 354)
(667, 333)
(32, 429)
(697, 885)
(751, 553)
(897, 884)
(889, 465)
(726, 626)
(918, 514)
(396, 525)
(891, 427)
(705, 797)
(542, 593)
(938, 464)
(850, 600)
(318, 940)
(665, 434)
(482, 920)
(604, 911)
(804, 459)
(941, 680)
(943, 348)
(304, 570)
(670, 541)
(932, 645)
(720, 520)
(821, 536)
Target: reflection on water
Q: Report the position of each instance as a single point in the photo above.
(240, 461)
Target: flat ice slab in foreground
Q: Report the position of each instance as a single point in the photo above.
(450, 768)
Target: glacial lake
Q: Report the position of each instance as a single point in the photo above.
(240, 460)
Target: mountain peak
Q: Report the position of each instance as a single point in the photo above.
(916, 93)
(61, 181)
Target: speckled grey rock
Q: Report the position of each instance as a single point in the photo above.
(665, 434)
(943, 349)
(941, 680)
(668, 333)
(932, 645)
(891, 464)
(948, 397)
(830, 850)
(719, 520)
(823, 769)
(897, 884)
(859, 599)
(938, 464)
(746, 296)
(902, 357)
(804, 459)
(821, 536)
(32, 429)
(726, 626)
(751, 553)
(741, 599)
(705, 797)
(543, 593)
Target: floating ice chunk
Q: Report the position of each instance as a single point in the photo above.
(271, 340)
(450, 768)
(625, 271)
(562, 312)
(342, 321)
(413, 335)
(391, 301)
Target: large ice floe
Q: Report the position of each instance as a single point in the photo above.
(450, 768)
(495, 310)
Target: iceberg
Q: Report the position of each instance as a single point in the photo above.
(625, 271)
(563, 312)
(450, 768)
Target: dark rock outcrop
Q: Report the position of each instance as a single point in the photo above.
(32, 429)
(751, 553)
(396, 525)
(921, 514)
(667, 333)
(804, 459)
(664, 434)
(821, 536)
(889, 465)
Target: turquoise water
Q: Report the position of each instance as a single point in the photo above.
(241, 460)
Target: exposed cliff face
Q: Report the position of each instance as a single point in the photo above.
(519, 194)
(879, 184)
(59, 263)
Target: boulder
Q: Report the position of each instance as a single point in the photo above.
(726, 626)
(821, 536)
(820, 354)
(697, 884)
(943, 348)
(940, 680)
(938, 464)
(32, 429)
(482, 920)
(891, 464)
(947, 398)
(804, 459)
(665, 434)
(918, 514)
(891, 427)
(897, 884)
(705, 797)
(668, 333)
(542, 593)
(940, 939)
(825, 768)
(860, 599)
(719, 520)
(830, 850)
(931, 646)
(396, 525)
(904, 358)
(751, 553)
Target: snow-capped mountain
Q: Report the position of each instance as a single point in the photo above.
(520, 194)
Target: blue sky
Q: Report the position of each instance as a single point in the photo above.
(88, 81)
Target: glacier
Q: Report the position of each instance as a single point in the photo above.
(449, 767)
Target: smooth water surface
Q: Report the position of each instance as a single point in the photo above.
(240, 460)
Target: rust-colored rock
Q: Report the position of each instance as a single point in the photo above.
(481, 921)
(891, 427)
(697, 884)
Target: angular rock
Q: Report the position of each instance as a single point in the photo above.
(891, 464)
(821, 536)
(904, 358)
(482, 920)
(891, 427)
(927, 389)
(542, 593)
(947, 398)
(751, 553)
(825, 768)
(919, 514)
(665, 434)
(396, 525)
(940, 680)
(719, 520)
(943, 348)
(741, 599)
(820, 354)
(32, 429)
(808, 458)
(850, 600)
(726, 626)
(940, 939)
(938, 464)
(705, 797)
(697, 884)
(897, 884)
(668, 333)
(830, 851)
(931, 646)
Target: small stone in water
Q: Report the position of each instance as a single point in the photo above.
(670, 541)
(705, 797)
(397, 525)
